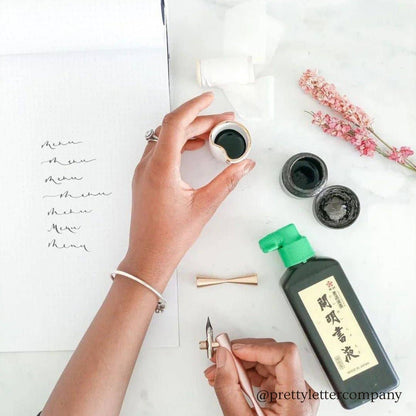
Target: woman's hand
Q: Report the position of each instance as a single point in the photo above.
(168, 214)
(273, 367)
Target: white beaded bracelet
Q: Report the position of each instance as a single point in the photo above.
(161, 304)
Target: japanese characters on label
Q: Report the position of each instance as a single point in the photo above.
(338, 328)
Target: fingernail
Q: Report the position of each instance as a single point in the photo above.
(221, 357)
(249, 166)
(208, 93)
(228, 113)
(238, 346)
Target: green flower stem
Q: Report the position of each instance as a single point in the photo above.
(379, 138)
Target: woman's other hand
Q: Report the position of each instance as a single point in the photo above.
(274, 367)
(168, 214)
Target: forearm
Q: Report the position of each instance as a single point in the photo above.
(96, 378)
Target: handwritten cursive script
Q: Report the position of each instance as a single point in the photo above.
(67, 194)
(67, 163)
(61, 229)
(54, 244)
(57, 180)
(55, 145)
(72, 193)
(54, 211)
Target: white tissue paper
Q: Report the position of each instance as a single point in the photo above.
(253, 101)
(248, 30)
(215, 72)
(245, 31)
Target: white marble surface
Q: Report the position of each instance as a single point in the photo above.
(369, 50)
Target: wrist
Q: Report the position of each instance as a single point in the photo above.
(154, 272)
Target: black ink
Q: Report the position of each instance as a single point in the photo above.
(58, 179)
(70, 161)
(53, 211)
(54, 244)
(60, 229)
(53, 146)
(232, 142)
(67, 194)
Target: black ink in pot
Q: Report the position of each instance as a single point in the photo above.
(336, 207)
(304, 175)
(232, 142)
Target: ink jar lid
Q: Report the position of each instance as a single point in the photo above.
(304, 175)
(336, 206)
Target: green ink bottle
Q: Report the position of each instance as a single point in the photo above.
(333, 319)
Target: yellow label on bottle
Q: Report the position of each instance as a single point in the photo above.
(338, 328)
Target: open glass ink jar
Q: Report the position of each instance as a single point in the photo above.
(305, 175)
(230, 142)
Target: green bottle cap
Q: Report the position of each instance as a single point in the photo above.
(293, 247)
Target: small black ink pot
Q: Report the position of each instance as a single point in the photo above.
(305, 175)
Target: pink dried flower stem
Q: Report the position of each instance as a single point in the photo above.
(359, 138)
(326, 93)
(392, 149)
(388, 155)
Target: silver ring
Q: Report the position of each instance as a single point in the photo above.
(150, 136)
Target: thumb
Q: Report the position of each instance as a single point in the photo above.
(217, 190)
(227, 386)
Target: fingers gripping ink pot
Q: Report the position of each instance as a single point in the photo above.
(333, 319)
(230, 142)
(305, 175)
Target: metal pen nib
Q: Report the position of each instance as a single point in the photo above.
(208, 327)
(209, 343)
